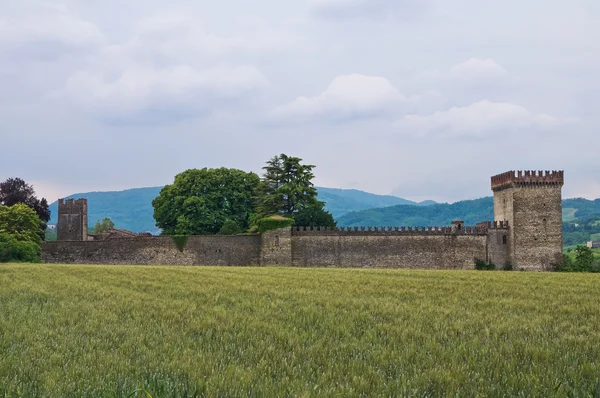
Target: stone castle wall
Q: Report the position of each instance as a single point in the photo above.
(437, 249)
(526, 233)
(241, 250)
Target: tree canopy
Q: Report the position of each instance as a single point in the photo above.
(287, 190)
(104, 226)
(21, 222)
(14, 191)
(199, 202)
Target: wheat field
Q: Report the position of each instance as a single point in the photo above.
(111, 331)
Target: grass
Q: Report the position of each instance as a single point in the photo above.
(568, 214)
(174, 331)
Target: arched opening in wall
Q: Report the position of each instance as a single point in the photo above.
(276, 240)
(504, 239)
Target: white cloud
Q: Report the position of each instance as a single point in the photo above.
(477, 120)
(471, 70)
(478, 68)
(48, 26)
(352, 96)
(179, 88)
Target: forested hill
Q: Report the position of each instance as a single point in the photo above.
(132, 209)
(471, 211)
(581, 217)
(341, 201)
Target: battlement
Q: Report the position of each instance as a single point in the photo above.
(493, 225)
(303, 231)
(72, 202)
(527, 178)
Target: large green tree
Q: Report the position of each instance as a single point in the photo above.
(287, 189)
(21, 222)
(199, 202)
(15, 190)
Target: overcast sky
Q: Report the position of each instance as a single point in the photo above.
(424, 99)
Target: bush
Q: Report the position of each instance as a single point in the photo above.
(483, 266)
(584, 261)
(12, 250)
(273, 222)
(230, 227)
(508, 267)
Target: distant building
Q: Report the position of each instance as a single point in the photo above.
(116, 234)
(594, 244)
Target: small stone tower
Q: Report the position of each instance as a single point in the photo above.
(72, 219)
(531, 202)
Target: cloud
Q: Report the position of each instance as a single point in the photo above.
(470, 70)
(348, 97)
(48, 26)
(366, 8)
(478, 120)
(179, 90)
(478, 68)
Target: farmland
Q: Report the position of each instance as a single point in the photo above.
(108, 331)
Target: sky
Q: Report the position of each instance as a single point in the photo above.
(423, 99)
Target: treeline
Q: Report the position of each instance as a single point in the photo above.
(22, 222)
(231, 201)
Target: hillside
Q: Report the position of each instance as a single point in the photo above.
(341, 201)
(581, 217)
(471, 211)
(132, 209)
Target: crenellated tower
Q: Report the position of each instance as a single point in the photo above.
(72, 220)
(531, 202)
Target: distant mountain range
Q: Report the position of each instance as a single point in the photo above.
(441, 214)
(132, 209)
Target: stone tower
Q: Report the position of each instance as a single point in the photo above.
(72, 219)
(531, 202)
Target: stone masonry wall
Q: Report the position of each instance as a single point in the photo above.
(497, 243)
(423, 251)
(537, 227)
(242, 250)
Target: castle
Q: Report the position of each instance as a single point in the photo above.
(526, 234)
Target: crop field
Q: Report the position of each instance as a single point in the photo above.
(108, 331)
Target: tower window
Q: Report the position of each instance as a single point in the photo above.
(504, 239)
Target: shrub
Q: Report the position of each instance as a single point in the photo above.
(483, 266)
(273, 222)
(584, 261)
(230, 227)
(12, 250)
(508, 267)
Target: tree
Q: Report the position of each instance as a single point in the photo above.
(230, 227)
(584, 258)
(199, 202)
(15, 190)
(104, 226)
(314, 216)
(21, 222)
(287, 190)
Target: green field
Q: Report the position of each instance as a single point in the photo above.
(106, 331)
